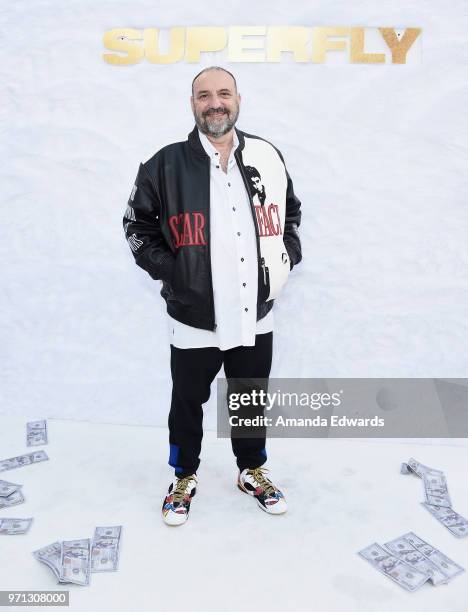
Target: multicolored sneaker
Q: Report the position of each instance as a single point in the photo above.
(176, 504)
(268, 496)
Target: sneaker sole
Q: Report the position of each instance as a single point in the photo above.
(175, 524)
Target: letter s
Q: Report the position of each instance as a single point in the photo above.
(125, 40)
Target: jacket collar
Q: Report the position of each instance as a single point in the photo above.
(194, 141)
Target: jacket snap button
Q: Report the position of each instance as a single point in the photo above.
(246, 309)
(242, 259)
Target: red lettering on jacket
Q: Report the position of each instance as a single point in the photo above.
(199, 220)
(187, 229)
(268, 220)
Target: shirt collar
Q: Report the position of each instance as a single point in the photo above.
(211, 150)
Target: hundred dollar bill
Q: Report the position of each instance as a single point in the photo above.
(105, 549)
(446, 565)
(12, 526)
(21, 460)
(404, 550)
(50, 555)
(36, 433)
(75, 561)
(455, 523)
(7, 488)
(386, 563)
(418, 468)
(12, 500)
(436, 491)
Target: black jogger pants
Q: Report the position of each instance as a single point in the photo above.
(193, 370)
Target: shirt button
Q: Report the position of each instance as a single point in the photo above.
(217, 166)
(238, 233)
(244, 284)
(242, 259)
(233, 208)
(229, 184)
(246, 309)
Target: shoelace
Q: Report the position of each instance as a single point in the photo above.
(181, 488)
(258, 475)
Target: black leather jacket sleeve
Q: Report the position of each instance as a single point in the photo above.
(292, 221)
(143, 230)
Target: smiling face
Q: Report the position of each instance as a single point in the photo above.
(215, 103)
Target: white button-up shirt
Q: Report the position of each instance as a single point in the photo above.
(234, 268)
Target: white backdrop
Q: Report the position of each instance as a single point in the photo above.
(377, 153)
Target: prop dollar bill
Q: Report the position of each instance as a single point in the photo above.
(446, 565)
(50, 555)
(386, 563)
(418, 468)
(12, 500)
(438, 501)
(7, 488)
(455, 523)
(436, 491)
(36, 433)
(105, 549)
(404, 550)
(11, 526)
(21, 460)
(75, 561)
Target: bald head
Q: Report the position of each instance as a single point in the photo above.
(211, 68)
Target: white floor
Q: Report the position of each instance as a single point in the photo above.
(343, 495)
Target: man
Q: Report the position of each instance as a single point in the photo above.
(191, 222)
(258, 189)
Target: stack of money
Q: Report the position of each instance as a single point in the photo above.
(73, 561)
(36, 433)
(410, 562)
(10, 494)
(437, 498)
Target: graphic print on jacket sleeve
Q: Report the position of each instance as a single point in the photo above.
(134, 242)
(130, 213)
(142, 228)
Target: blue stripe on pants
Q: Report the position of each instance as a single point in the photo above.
(174, 456)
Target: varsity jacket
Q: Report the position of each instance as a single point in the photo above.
(167, 223)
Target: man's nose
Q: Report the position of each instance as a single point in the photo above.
(216, 101)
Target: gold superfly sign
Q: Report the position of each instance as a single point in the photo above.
(318, 45)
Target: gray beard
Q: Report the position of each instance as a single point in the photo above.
(217, 130)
